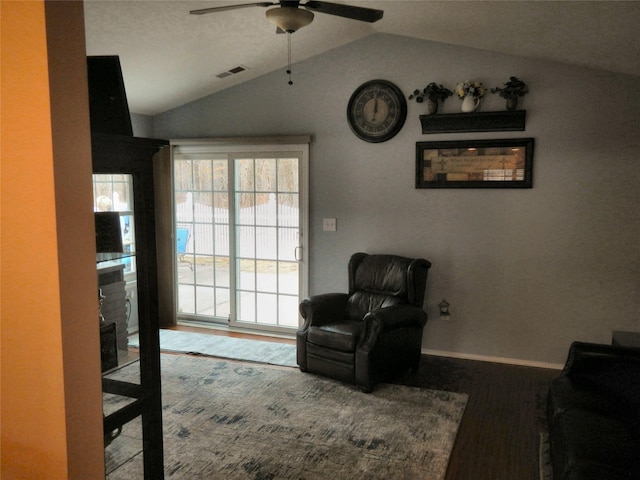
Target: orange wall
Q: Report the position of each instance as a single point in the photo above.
(49, 350)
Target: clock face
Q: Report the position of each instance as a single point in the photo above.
(377, 111)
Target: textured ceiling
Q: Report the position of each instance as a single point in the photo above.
(170, 57)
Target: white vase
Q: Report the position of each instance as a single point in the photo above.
(470, 103)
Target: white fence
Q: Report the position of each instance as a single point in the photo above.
(266, 231)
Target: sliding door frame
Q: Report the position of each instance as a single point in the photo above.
(233, 146)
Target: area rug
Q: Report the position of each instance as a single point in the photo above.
(230, 420)
(225, 347)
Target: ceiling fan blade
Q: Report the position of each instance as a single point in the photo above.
(356, 13)
(202, 11)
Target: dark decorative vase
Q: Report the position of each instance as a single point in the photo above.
(512, 103)
(432, 106)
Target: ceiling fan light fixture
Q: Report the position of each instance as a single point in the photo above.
(289, 19)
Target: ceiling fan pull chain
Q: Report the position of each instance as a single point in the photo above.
(289, 59)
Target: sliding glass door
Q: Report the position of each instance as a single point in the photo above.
(240, 233)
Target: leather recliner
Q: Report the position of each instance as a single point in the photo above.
(372, 332)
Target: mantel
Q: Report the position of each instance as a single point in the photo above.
(503, 121)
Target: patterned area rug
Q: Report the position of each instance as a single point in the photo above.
(229, 420)
(225, 347)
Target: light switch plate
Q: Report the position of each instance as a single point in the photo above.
(329, 224)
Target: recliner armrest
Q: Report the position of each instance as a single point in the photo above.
(319, 309)
(398, 316)
(386, 319)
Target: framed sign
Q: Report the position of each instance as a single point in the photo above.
(504, 163)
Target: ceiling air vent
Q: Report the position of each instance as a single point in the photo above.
(233, 71)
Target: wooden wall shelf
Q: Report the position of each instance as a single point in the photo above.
(505, 121)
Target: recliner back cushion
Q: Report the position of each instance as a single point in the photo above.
(383, 274)
(380, 281)
(361, 303)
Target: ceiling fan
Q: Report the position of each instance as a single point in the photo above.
(289, 16)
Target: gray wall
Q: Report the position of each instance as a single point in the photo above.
(142, 125)
(525, 271)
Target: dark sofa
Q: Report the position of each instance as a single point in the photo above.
(593, 414)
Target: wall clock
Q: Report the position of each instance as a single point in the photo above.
(377, 111)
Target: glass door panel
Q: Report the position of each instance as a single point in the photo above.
(267, 239)
(202, 237)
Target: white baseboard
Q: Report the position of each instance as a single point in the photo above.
(438, 353)
(483, 358)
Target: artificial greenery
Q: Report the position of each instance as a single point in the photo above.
(512, 89)
(433, 92)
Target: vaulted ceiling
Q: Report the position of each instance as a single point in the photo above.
(170, 57)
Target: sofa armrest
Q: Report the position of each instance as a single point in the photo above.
(584, 357)
(611, 369)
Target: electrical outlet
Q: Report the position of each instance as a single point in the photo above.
(445, 314)
(329, 224)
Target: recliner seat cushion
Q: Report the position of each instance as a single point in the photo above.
(341, 336)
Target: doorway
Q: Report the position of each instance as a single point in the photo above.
(241, 215)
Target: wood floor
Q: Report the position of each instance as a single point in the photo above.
(498, 437)
(499, 434)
